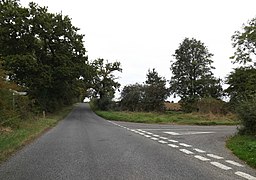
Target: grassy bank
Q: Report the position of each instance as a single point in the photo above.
(12, 140)
(169, 117)
(244, 147)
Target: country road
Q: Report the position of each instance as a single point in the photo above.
(85, 146)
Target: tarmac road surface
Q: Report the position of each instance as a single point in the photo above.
(85, 146)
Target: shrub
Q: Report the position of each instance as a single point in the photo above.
(246, 111)
(211, 105)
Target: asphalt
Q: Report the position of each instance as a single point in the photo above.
(85, 146)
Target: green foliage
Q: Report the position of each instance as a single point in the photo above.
(13, 139)
(192, 77)
(132, 97)
(168, 117)
(148, 97)
(104, 82)
(244, 147)
(245, 43)
(246, 111)
(155, 92)
(43, 53)
(242, 83)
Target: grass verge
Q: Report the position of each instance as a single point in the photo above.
(169, 117)
(244, 147)
(13, 140)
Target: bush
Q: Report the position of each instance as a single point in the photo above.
(211, 105)
(246, 111)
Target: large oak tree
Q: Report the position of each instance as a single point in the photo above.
(43, 52)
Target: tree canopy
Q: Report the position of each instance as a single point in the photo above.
(192, 76)
(43, 52)
(104, 83)
(245, 43)
(147, 97)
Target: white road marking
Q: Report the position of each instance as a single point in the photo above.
(185, 145)
(171, 140)
(173, 145)
(172, 133)
(147, 136)
(201, 158)
(221, 166)
(163, 142)
(153, 138)
(234, 163)
(156, 135)
(214, 156)
(163, 138)
(245, 175)
(186, 151)
(199, 150)
(187, 133)
(149, 133)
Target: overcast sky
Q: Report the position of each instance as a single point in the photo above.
(144, 34)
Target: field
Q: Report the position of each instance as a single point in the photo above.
(169, 117)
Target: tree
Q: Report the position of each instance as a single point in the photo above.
(242, 81)
(242, 84)
(132, 97)
(192, 77)
(245, 43)
(43, 53)
(155, 92)
(104, 82)
(147, 97)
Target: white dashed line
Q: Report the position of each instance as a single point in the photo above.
(199, 150)
(214, 156)
(147, 136)
(171, 140)
(221, 166)
(201, 158)
(163, 138)
(185, 145)
(163, 142)
(234, 163)
(149, 133)
(153, 138)
(173, 145)
(244, 175)
(186, 151)
(156, 135)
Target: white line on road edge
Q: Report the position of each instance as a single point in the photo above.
(244, 175)
(186, 151)
(171, 140)
(185, 145)
(153, 138)
(173, 145)
(163, 138)
(201, 158)
(221, 166)
(214, 156)
(234, 163)
(163, 142)
(199, 150)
